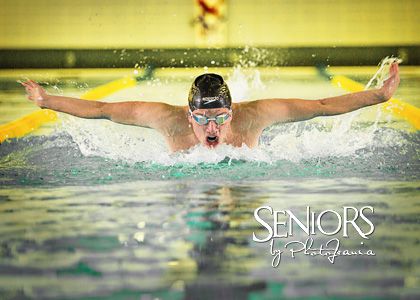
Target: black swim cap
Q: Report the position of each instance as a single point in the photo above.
(209, 91)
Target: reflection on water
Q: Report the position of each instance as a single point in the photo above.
(103, 211)
(189, 240)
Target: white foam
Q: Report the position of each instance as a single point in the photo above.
(334, 136)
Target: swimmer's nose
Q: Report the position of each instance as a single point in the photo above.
(212, 126)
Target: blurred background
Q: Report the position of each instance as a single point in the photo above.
(90, 209)
(185, 33)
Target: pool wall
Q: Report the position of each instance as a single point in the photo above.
(189, 33)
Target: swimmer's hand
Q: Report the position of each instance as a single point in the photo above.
(391, 84)
(35, 92)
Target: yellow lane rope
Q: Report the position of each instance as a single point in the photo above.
(32, 121)
(399, 108)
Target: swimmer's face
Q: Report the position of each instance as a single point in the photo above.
(211, 135)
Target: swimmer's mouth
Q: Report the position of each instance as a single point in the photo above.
(212, 140)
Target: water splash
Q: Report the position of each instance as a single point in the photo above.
(334, 136)
(244, 85)
(382, 73)
(115, 141)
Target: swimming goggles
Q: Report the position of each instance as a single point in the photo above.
(219, 119)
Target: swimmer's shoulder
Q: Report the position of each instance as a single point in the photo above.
(174, 121)
(245, 116)
(245, 106)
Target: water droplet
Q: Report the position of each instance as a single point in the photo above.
(141, 224)
(139, 236)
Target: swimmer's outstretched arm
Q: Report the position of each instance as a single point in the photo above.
(145, 114)
(289, 110)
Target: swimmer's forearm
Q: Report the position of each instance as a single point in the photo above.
(76, 107)
(349, 102)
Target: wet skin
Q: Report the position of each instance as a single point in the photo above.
(244, 127)
(184, 132)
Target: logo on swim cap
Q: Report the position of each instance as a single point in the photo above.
(210, 99)
(209, 91)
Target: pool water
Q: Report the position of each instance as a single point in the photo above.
(95, 210)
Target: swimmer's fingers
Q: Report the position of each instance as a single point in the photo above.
(33, 90)
(29, 93)
(35, 86)
(25, 84)
(28, 83)
(394, 76)
(394, 69)
(391, 84)
(33, 83)
(30, 90)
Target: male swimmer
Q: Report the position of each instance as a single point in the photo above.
(211, 118)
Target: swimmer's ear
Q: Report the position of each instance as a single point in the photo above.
(231, 116)
(189, 120)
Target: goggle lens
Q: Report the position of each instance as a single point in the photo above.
(202, 120)
(219, 119)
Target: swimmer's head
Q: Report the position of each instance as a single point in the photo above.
(209, 91)
(210, 111)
